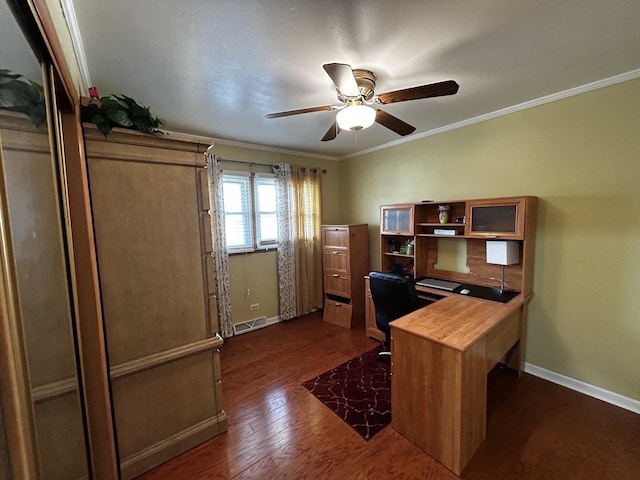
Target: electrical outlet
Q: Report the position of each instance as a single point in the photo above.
(254, 306)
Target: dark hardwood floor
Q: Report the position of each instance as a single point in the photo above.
(277, 429)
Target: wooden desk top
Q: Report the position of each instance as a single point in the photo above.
(456, 321)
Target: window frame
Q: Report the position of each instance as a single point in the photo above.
(263, 243)
(256, 243)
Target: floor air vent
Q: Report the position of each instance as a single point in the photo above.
(250, 325)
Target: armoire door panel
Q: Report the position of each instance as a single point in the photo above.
(60, 431)
(149, 254)
(42, 281)
(180, 393)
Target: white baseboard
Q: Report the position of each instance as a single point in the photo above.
(582, 387)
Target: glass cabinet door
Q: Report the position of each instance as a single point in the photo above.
(488, 219)
(396, 220)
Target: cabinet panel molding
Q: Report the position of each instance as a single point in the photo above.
(162, 358)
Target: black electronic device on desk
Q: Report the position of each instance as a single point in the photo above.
(487, 293)
(477, 291)
(437, 283)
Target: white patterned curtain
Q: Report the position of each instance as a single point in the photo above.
(219, 255)
(286, 250)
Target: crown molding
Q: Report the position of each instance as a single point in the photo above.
(284, 151)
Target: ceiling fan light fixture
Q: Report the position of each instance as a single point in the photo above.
(356, 117)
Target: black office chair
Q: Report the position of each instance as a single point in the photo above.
(393, 296)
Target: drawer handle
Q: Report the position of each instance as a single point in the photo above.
(338, 304)
(335, 275)
(490, 236)
(334, 253)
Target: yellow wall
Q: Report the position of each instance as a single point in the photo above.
(254, 276)
(581, 157)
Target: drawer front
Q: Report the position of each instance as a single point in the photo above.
(338, 313)
(502, 338)
(337, 284)
(335, 237)
(335, 261)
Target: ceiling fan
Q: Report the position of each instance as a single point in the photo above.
(355, 90)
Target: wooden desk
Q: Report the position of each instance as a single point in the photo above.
(441, 356)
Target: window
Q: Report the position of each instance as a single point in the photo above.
(250, 211)
(265, 208)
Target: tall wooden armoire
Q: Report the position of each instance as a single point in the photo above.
(150, 203)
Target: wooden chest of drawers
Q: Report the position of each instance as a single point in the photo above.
(345, 262)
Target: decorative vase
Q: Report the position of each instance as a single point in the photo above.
(443, 213)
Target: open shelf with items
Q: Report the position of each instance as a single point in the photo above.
(440, 230)
(441, 219)
(399, 263)
(397, 240)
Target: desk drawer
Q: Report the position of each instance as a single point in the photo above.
(338, 313)
(337, 284)
(502, 338)
(335, 261)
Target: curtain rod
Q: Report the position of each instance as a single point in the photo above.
(272, 165)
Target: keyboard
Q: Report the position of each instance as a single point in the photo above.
(435, 283)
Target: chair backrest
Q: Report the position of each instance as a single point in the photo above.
(393, 296)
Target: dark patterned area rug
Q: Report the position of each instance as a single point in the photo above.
(358, 391)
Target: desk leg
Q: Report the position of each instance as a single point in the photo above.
(515, 358)
(523, 338)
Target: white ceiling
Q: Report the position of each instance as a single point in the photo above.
(216, 67)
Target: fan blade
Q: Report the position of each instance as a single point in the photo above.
(325, 108)
(393, 123)
(448, 87)
(332, 133)
(342, 76)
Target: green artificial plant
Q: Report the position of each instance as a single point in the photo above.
(19, 94)
(112, 111)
